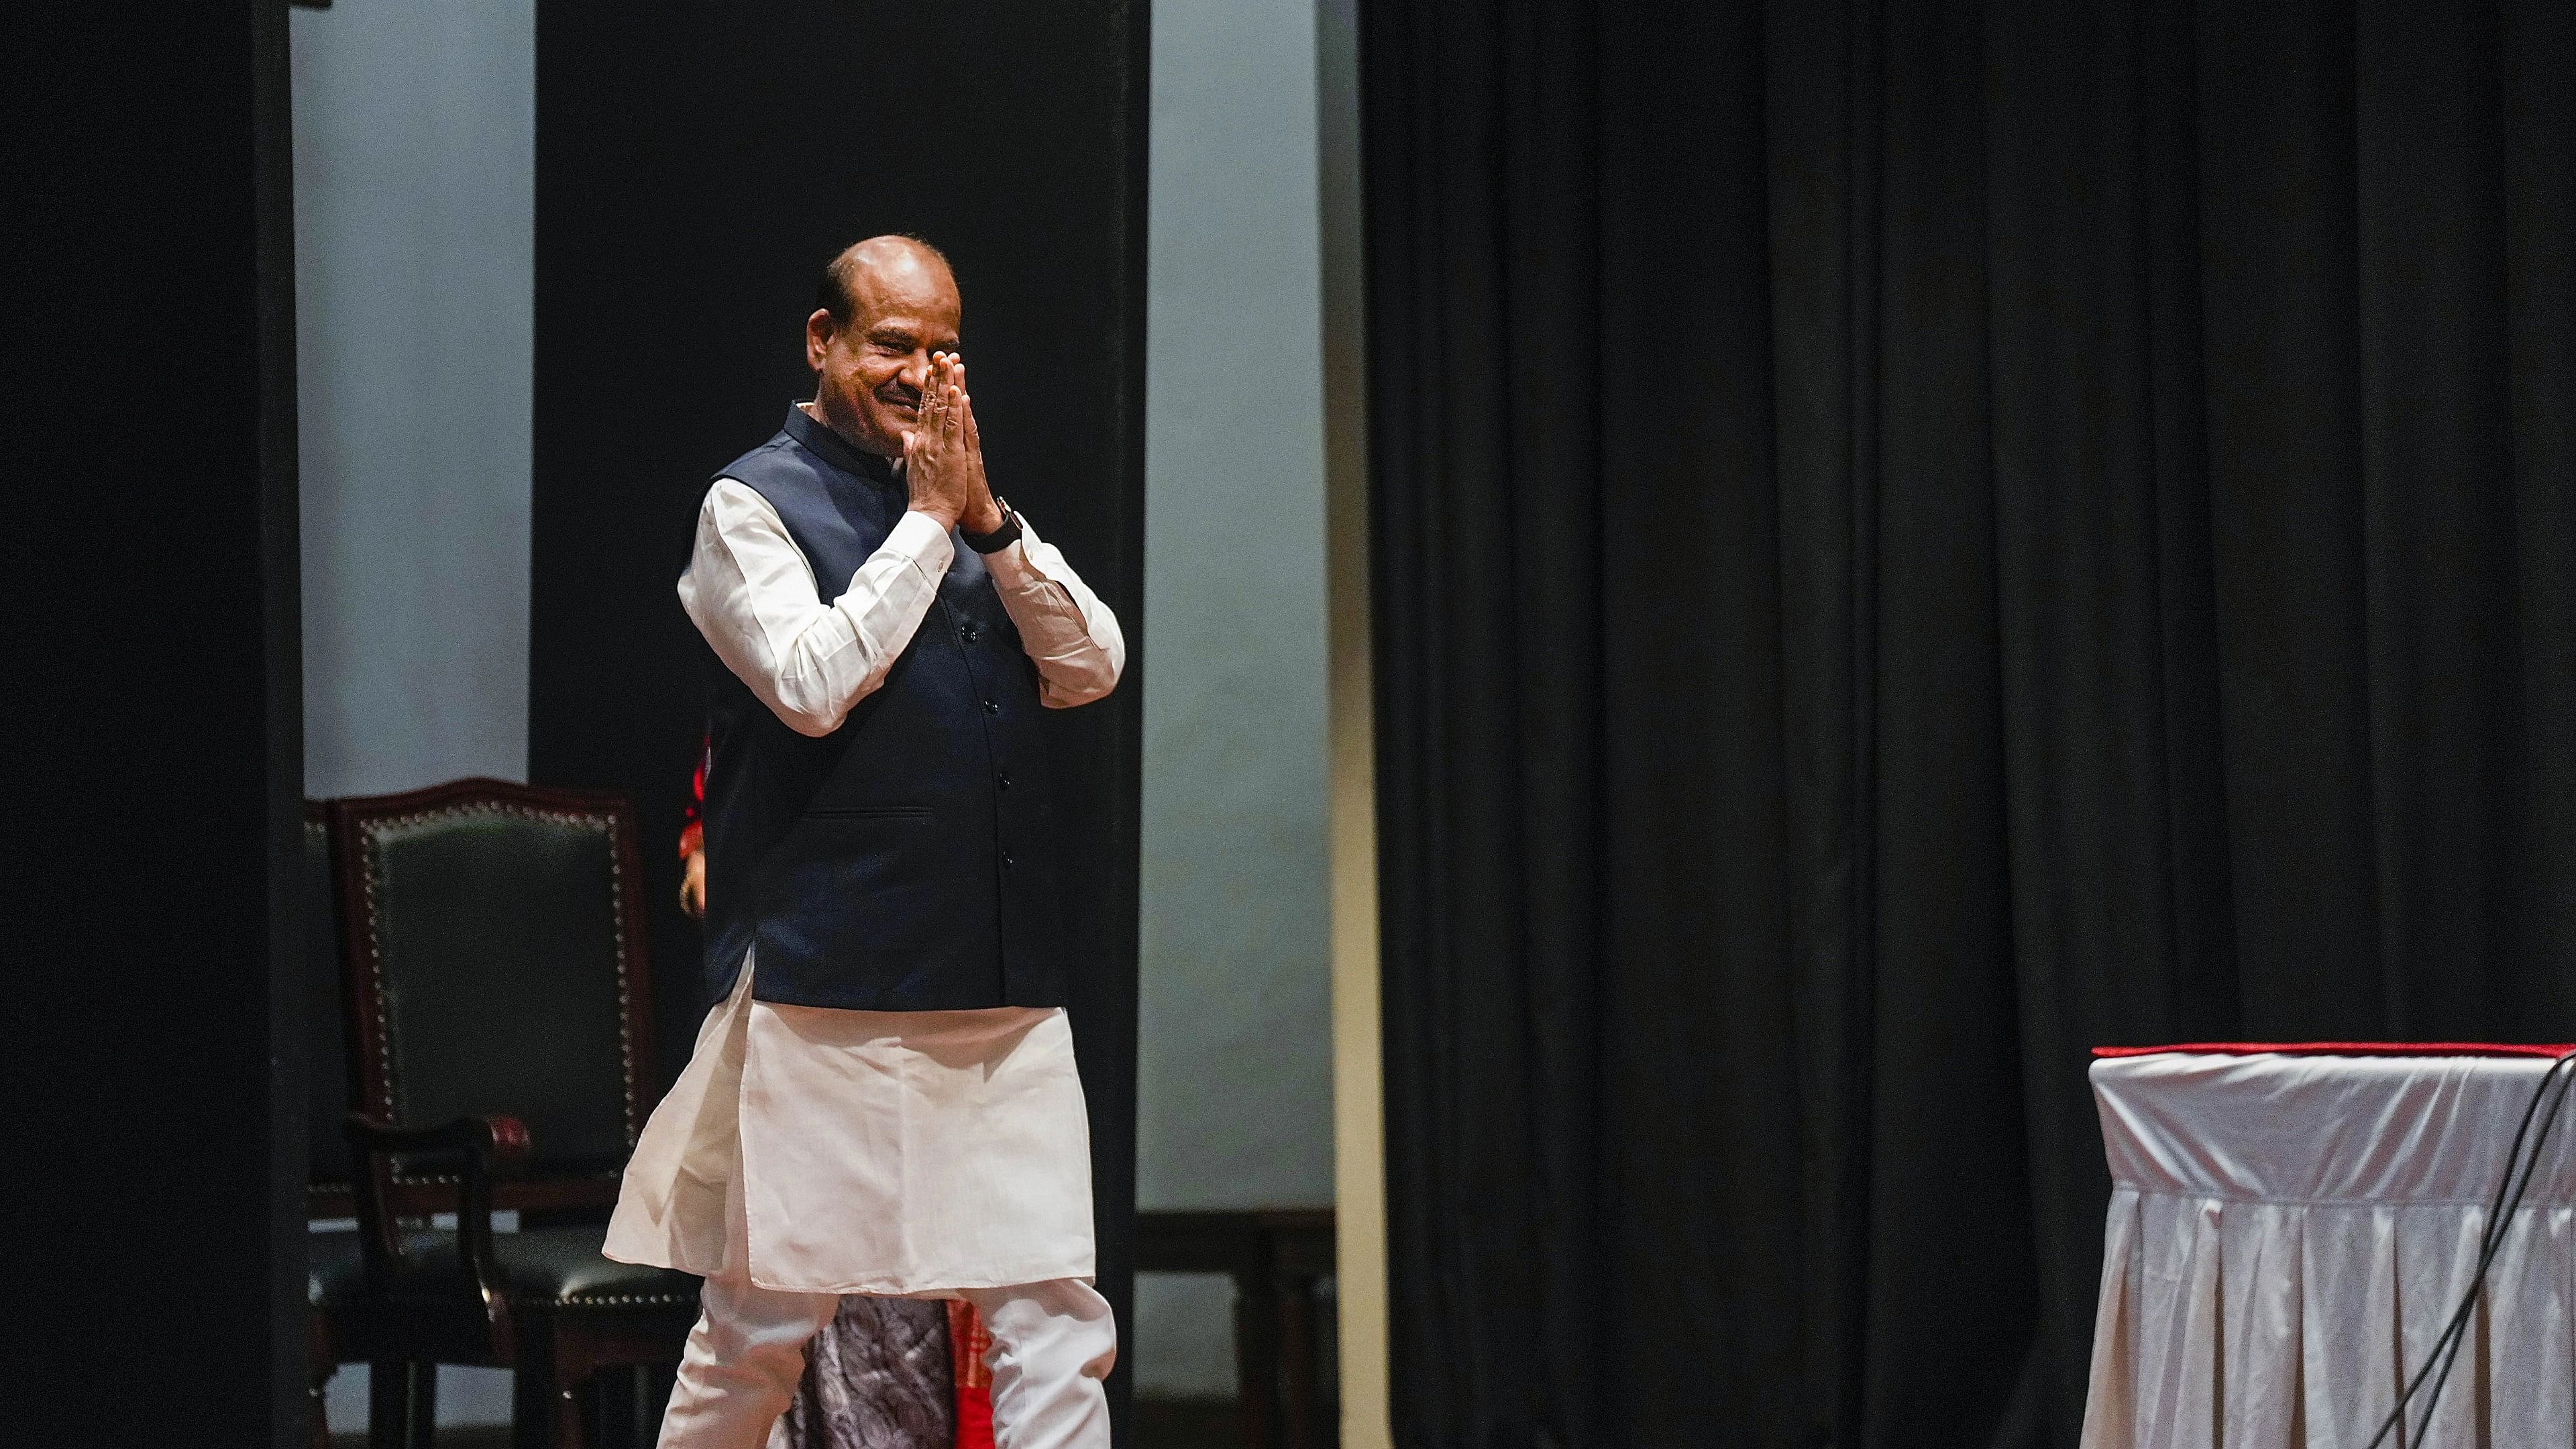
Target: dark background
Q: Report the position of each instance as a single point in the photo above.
(696, 166)
(154, 1127)
(1913, 540)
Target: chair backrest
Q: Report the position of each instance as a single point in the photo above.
(328, 1090)
(495, 935)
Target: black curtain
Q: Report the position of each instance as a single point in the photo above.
(154, 1131)
(1912, 540)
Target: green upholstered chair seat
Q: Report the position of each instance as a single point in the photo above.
(331, 1268)
(544, 1267)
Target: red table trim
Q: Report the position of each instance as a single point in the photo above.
(2346, 1049)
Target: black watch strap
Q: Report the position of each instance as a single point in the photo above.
(1000, 538)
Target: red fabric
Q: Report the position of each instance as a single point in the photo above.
(975, 1417)
(693, 830)
(2346, 1049)
(967, 1344)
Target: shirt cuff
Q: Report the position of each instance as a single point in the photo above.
(1011, 566)
(919, 537)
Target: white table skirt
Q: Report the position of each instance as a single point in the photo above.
(2288, 1234)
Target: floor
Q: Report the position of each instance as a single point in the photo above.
(1159, 1424)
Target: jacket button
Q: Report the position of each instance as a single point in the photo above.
(970, 633)
(991, 708)
(1006, 860)
(1002, 781)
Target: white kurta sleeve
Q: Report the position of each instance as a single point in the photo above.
(1072, 636)
(752, 594)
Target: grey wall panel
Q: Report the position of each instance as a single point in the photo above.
(415, 205)
(1235, 1092)
(415, 230)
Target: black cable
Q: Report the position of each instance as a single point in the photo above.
(2446, 1345)
(2499, 1226)
(2500, 1214)
(2500, 1211)
(2490, 1239)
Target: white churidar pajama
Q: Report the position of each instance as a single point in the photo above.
(808, 1152)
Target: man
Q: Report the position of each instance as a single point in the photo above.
(883, 1101)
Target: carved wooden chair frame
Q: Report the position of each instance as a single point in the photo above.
(471, 1160)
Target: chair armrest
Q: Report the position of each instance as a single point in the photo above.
(483, 1147)
(498, 1141)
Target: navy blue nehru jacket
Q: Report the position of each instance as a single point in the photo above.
(907, 861)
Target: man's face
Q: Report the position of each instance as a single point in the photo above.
(869, 374)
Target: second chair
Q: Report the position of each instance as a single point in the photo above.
(494, 943)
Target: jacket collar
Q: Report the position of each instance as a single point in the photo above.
(834, 449)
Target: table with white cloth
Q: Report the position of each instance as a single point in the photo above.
(2290, 1230)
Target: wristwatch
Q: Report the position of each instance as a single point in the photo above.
(1000, 538)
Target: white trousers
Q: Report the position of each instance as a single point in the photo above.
(1053, 1344)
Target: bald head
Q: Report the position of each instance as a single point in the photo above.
(877, 265)
(883, 308)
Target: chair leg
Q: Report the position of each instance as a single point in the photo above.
(576, 1362)
(388, 1404)
(321, 1362)
(1256, 1359)
(642, 1413)
(569, 1432)
(422, 1416)
(532, 1399)
(1297, 1363)
(547, 1384)
(317, 1423)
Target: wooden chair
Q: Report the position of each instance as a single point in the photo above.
(501, 1022)
(1278, 1258)
(330, 1092)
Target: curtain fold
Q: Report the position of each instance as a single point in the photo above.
(1912, 540)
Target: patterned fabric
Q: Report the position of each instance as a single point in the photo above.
(876, 1377)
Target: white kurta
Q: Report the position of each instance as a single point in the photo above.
(826, 1151)
(890, 1152)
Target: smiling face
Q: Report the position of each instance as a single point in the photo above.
(870, 366)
